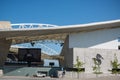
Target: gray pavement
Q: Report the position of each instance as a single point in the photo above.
(24, 78)
(66, 77)
(48, 78)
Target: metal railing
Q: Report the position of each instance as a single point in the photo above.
(31, 26)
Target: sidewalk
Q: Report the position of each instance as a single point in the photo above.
(97, 78)
(87, 76)
(66, 77)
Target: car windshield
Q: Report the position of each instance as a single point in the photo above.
(38, 71)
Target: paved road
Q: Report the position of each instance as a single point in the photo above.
(65, 78)
(28, 79)
(25, 78)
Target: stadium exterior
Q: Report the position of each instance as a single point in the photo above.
(84, 41)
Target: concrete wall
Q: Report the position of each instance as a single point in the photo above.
(5, 25)
(86, 55)
(4, 50)
(100, 39)
(87, 45)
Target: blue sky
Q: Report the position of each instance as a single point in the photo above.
(59, 12)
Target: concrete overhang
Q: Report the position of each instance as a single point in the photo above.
(60, 30)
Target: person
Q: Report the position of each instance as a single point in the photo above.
(28, 57)
(63, 73)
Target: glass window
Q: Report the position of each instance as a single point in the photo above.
(118, 39)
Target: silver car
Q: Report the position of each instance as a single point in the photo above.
(40, 74)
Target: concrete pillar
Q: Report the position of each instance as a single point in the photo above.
(4, 49)
(67, 53)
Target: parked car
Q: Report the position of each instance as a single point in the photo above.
(40, 74)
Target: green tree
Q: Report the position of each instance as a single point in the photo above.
(97, 62)
(79, 64)
(96, 67)
(115, 65)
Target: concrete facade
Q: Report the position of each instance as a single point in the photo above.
(86, 45)
(86, 55)
(84, 41)
(100, 39)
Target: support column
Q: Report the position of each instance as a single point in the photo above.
(4, 50)
(67, 53)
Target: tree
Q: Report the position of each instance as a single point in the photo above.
(96, 67)
(115, 65)
(97, 63)
(79, 64)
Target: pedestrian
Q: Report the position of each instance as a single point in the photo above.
(63, 73)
